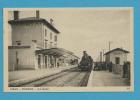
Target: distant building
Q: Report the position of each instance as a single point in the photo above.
(34, 43)
(116, 56)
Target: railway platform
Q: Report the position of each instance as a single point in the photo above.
(23, 76)
(106, 78)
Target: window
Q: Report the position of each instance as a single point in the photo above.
(55, 38)
(50, 35)
(45, 44)
(45, 32)
(18, 42)
(39, 60)
(55, 45)
(117, 60)
(50, 44)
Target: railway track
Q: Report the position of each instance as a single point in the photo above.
(72, 77)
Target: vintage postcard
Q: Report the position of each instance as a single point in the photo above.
(68, 49)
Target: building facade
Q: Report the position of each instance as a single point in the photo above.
(34, 43)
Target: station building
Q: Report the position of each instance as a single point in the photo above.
(117, 57)
(34, 44)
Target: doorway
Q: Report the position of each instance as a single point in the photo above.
(39, 61)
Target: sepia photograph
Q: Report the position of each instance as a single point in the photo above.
(68, 49)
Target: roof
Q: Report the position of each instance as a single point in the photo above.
(117, 49)
(34, 19)
(56, 52)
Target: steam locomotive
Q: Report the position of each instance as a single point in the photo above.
(86, 64)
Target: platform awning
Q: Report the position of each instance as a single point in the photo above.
(56, 52)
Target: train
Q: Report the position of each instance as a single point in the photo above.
(86, 64)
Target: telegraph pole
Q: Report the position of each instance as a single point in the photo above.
(109, 49)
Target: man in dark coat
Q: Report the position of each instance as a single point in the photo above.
(124, 69)
(110, 66)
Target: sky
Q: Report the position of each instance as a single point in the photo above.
(90, 29)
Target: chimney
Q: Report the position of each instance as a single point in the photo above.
(16, 15)
(37, 14)
(51, 21)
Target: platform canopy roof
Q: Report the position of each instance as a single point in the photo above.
(56, 52)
